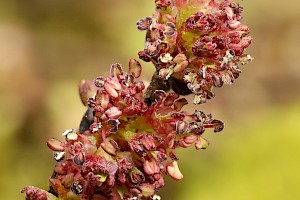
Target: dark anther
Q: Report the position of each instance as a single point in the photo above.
(86, 121)
(77, 188)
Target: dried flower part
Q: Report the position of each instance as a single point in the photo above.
(205, 38)
(127, 145)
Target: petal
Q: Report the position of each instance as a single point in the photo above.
(132, 110)
(66, 132)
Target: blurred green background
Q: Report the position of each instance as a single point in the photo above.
(47, 47)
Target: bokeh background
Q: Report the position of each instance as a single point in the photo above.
(47, 47)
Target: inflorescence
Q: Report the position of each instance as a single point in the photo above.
(126, 142)
(198, 42)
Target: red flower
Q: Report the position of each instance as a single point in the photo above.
(128, 146)
(208, 34)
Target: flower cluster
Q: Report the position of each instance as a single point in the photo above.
(199, 42)
(128, 146)
(127, 138)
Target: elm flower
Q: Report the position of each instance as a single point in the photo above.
(123, 146)
(198, 42)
